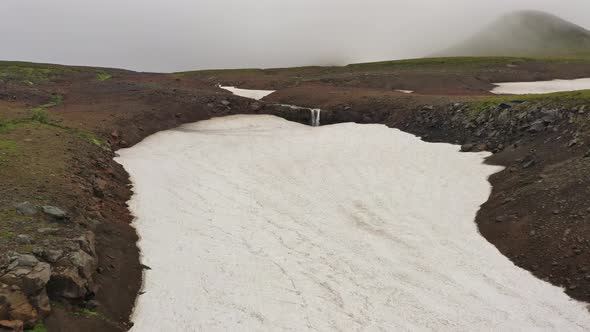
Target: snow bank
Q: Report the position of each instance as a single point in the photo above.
(521, 88)
(254, 223)
(252, 94)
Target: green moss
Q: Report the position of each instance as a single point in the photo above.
(443, 63)
(40, 114)
(31, 73)
(102, 76)
(7, 146)
(38, 328)
(564, 99)
(91, 138)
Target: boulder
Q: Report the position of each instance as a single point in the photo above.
(28, 274)
(26, 208)
(11, 326)
(536, 126)
(48, 255)
(67, 283)
(467, 147)
(85, 263)
(19, 307)
(87, 242)
(55, 212)
(41, 303)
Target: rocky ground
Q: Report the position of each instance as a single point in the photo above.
(69, 259)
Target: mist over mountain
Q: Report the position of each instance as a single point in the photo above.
(526, 33)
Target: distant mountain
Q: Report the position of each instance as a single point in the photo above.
(526, 33)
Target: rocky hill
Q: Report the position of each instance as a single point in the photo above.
(526, 33)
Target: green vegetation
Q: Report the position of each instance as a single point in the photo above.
(102, 76)
(38, 328)
(564, 99)
(442, 63)
(88, 312)
(7, 146)
(40, 112)
(30, 73)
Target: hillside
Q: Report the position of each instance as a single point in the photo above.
(526, 33)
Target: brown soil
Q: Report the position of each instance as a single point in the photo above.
(545, 224)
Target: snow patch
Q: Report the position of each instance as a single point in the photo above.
(252, 94)
(405, 91)
(521, 88)
(254, 223)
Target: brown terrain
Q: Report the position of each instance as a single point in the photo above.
(68, 257)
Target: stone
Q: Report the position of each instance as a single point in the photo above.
(49, 255)
(36, 280)
(254, 107)
(85, 263)
(500, 219)
(87, 243)
(48, 230)
(536, 126)
(19, 306)
(42, 303)
(11, 325)
(573, 142)
(225, 102)
(25, 260)
(26, 208)
(54, 212)
(24, 239)
(66, 282)
(467, 147)
(31, 279)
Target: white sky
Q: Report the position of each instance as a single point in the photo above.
(178, 35)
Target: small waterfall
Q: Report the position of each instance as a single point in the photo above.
(315, 117)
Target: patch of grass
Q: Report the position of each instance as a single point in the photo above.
(30, 73)
(558, 99)
(40, 114)
(448, 62)
(7, 145)
(91, 138)
(38, 328)
(88, 312)
(102, 76)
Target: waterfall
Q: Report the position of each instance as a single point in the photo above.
(315, 117)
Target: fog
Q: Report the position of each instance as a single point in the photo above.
(175, 35)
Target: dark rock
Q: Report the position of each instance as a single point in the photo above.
(255, 107)
(536, 126)
(467, 147)
(91, 305)
(26, 208)
(528, 163)
(67, 283)
(501, 219)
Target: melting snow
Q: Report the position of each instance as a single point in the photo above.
(252, 94)
(254, 223)
(520, 88)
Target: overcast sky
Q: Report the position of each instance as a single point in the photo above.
(174, 35)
